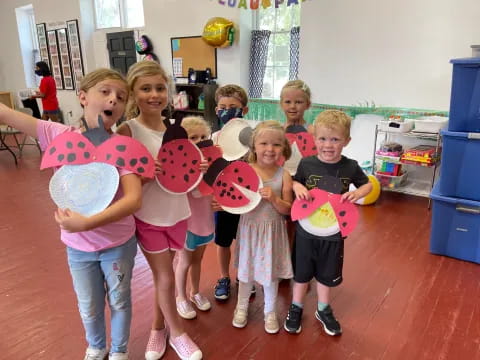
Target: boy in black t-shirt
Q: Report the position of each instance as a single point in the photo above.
(321, 257)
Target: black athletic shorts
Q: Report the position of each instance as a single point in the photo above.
(314, 257)
(226, 225)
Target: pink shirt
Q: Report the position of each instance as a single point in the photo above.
(201, 222)
(103, 237)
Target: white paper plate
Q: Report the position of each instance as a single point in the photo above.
(87, 189)
(254, 197)
(229, 142)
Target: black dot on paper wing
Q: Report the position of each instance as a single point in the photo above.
(194, 162)
(184, 154)
(248, 187)
(60, 157)
(224, 184)
(233, 197)
(170, 152)
(191, 171)
(171, 161)
(342, 213)
(228, 193)
(231, 188)
(109, 156)
(304, 206)
(186, 178)
(344, 224)
(144, 160)
(184, 165)
(141, 170)
(163, 160)
(240, 179)
(69, 145)
(121, 148)
(219, 183)
(236, 170)
(180, 147)
(164, 173)
(120, 162)
(173, 176)
(133, 162)
(209, 159)
(240, 197)
(86, 155)
(52, 150)
(81, 144)
(71, 157)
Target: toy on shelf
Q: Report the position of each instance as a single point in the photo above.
(390, 181)
(424, 155)
(389, 168)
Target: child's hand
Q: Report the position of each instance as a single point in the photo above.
(301, 192)
(351, 196)
(203, 166)
(267, 193)
(158, 166)
(70, 220)
(216, 206)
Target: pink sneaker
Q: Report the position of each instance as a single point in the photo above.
(157, 344)
(185, 348)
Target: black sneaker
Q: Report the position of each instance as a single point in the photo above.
(330, 324)
(222, 289)
(293, 322)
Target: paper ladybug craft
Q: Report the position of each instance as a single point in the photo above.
(180, 159)
(210, 153)
(234, 185)
(302, 144)
(325, 214)
(234, 139)
(88, 177)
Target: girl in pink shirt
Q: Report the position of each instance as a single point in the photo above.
(201, 231)
(101, 248)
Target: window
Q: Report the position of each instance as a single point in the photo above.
(119, 13)
(279, 21)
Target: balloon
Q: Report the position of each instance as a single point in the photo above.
(143, 45)
(218, 32)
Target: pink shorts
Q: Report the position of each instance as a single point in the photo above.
(156, 239)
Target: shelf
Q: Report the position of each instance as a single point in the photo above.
(411, 187)
(190, 85)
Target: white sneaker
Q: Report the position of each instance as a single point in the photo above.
(201, 302)
(95, 354)
(118, 356)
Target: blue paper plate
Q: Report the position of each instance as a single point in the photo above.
(87, 189)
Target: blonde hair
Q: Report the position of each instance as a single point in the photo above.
(190, 122)
(99, 75)
(334, 119)
(269, 125)
(299, 85)
(234, 91)
(141, 69)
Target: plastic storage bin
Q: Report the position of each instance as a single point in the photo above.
(460, 165)
(465, 97)
(390, 181)
(455, 227)
(431, 124)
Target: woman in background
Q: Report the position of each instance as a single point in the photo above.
(48, 93)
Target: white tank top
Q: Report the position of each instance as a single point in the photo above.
(158, 207)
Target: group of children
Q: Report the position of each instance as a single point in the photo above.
(101, 248)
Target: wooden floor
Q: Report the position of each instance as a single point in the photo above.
(397, 301)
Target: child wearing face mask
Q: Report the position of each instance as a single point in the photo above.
(232, 103)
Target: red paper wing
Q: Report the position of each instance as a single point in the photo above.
(204, 188)
(302, 209)
(69, 148)
(127, 153)
(291, 137)
(211, 153)
(306, 144)
(180, 160)
(242, 175)
(346, 212)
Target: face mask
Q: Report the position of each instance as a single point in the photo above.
(38, 72)
(225, 115)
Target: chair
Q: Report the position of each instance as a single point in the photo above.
(6, 130)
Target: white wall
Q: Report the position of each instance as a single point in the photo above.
(393, 52)
(12, 76)
(166, 19)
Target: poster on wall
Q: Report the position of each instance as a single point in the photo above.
(65, 59)
(75, 52)
(55, 58)
(42, 44)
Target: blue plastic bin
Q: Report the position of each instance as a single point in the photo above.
(460, 172)
(455, 227)
(465, 97)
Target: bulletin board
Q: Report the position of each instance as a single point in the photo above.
(192, 52)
